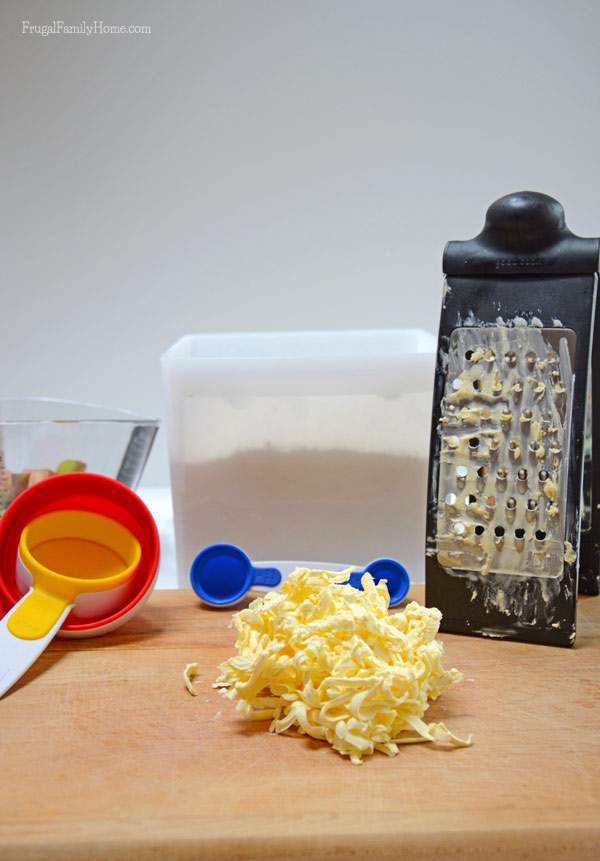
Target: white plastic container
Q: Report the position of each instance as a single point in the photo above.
(301, 445)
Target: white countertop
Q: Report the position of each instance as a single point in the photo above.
(158, 500)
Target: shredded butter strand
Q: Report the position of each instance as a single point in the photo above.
(190, 672)
(329, 661)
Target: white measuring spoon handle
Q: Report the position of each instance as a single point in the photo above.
(16, 654)
(286, 567)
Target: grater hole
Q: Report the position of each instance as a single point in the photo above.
(474, 442)
(499, 531)
(471, 499)
(477, 385)
(469, 355)
(519, 533)
(479, 529)
(540, 534)
(482, 472)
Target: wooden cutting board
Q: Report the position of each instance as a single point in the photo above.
(104, 755)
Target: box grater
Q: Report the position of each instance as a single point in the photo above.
(514, 476)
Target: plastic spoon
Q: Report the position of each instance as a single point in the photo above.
(222, 574)
(395, 574)
(66, 554)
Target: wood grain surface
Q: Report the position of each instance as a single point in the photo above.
(104, 755)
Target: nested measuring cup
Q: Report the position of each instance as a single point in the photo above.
(68, 556)
(78, 556)
(71, 559)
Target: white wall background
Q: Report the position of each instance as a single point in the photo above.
(265, 165)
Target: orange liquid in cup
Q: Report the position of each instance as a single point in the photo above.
(77, 557)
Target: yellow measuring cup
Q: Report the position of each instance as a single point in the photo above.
(67, 554)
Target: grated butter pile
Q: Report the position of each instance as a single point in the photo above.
(329, 661)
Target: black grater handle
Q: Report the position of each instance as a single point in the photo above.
(524, 234)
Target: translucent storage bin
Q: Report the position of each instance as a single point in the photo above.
(301, 445)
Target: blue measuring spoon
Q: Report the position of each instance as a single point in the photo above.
(221, 574)
(396, 575)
